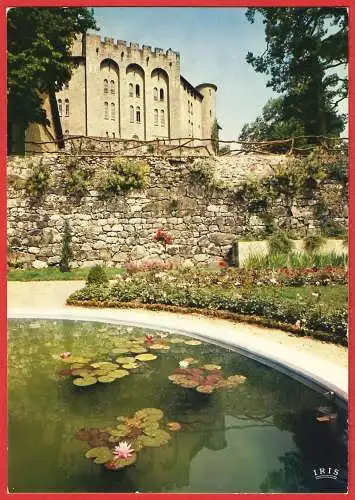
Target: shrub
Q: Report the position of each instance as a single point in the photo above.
(148, 265)
(97, 276)
(202, 172)
(76, 180)
(66, 252)
(280, 243)
(38, 181)
(313, 242)
(125, 175)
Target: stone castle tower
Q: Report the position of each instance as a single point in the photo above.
(121, 90)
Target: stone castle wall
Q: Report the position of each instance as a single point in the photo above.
(203, 222)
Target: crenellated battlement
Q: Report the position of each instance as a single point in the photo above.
(129, 47)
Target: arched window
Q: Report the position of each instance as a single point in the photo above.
(156, 117)
(161, 94)
(105, 86)
(112, 87)
(113, 111)
(66, 107)
(66, 132)
(130, 87)
(106, 134)
(131, 114)
(113, 135)
(155, 93)
(162, 118)
(106, 110)
(138, 114)
(138, 91)
(191, 110)
(60, 107)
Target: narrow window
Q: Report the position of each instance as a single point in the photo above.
(138, 114)
(137, 90)
(106, 110)
(113, 111)
(130, 90)
(131, 114)
(112, 86)
(191, 110)
(105, 86)
(156, 117)
(210, 91)
(122, 56)
(106, 134)
(60, 107)
(113, 135)
(66, 107)
(210, 113)
(66, 132)
(155, 93)
(162, 118)
(162, 94)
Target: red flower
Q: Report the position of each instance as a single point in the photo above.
(221, 263)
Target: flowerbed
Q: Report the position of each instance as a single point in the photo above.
(220, 292)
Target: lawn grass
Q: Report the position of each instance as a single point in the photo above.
(54, 274)
(332, 296)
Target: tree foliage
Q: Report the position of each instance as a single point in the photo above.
(306, 60)
(39, 60)
(272, 125)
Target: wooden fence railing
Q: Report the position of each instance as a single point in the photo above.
(188, 146)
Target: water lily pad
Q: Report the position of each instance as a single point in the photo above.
(120, 430)
(237, 379)
(138, 349)
(82, 372)
(150, 427)
(120, 463)
(121, 350)
(189, 383)
(176, 340)
(174, 426)
(125, 360)
(211, 367)
(106, 379)
(206, 389)
(101, 454)
(130, 366)
(118, 373)
(149, 414)
(84, 381)
(159, 346)
(146, 357)
(78, 365)
(193, 342)
(161, 437)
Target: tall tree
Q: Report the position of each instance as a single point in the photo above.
(306, 60)
(272, 125)
(39, 60)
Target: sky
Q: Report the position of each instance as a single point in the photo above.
(213, 43)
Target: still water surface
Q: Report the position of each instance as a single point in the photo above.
(262, 436)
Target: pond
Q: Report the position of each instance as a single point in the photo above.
(196, 417)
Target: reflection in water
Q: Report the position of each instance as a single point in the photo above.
(260, 436)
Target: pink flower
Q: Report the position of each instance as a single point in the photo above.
(123, 450)
(65, 355)
(149, 339)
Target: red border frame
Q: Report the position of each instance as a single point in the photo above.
(3, 248)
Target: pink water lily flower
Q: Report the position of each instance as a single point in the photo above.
(123, 450)
(65, 355)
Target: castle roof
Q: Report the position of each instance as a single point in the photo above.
(190, 87)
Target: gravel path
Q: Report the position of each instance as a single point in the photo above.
(42, 295)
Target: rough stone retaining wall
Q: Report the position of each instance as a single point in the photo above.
(203, 222)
